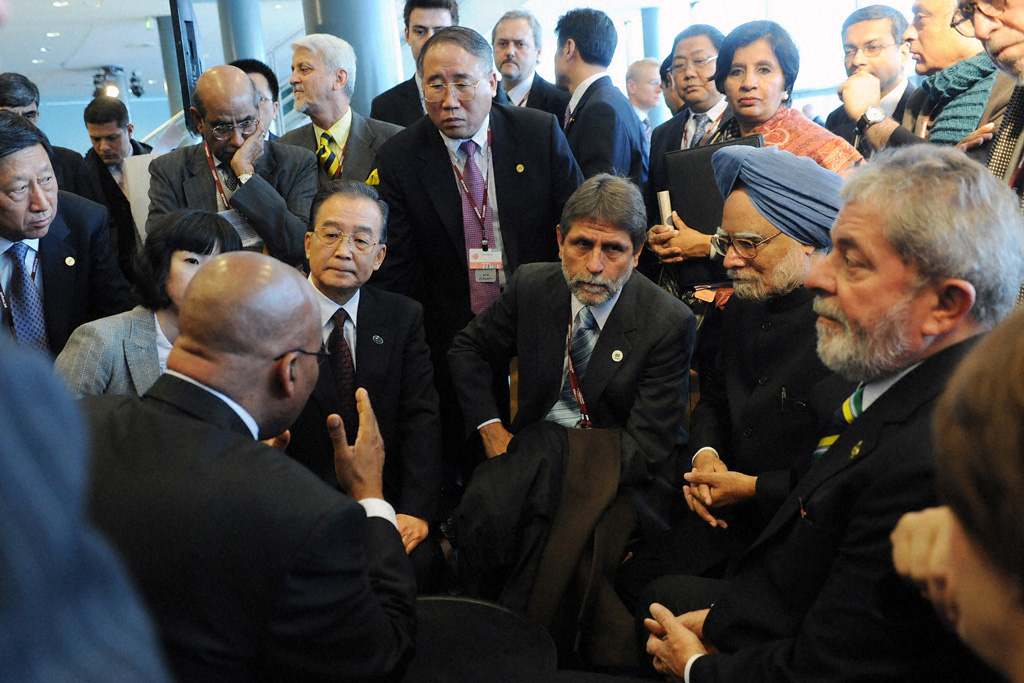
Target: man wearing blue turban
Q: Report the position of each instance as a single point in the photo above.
(754, 421)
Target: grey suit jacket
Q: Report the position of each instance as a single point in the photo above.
(112, 355)
(365, 138)
(275, 200)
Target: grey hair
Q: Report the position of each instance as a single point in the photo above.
(608, 198)
(466, 38)
(947, 216)
(512, 15)
(336, 53)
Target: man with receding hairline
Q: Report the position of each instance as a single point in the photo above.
(265, 188)
(251, 566)
(517, 47)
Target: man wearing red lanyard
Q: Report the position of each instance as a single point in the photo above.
(475, 190)
(57, 270)
(598, 345)
(323, 79)
(517, 47)
(263, 188)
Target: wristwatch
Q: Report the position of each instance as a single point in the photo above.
(872, 115)
(244, 178)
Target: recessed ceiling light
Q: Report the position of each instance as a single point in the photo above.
(42, 49)
(37, 61)
(63, 3)
(53, 34)
(279, 6)
(151, 82)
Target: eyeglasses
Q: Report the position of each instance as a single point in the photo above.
(697, 64)
(436, 92)
(329, 237)
(246, 127)
(870, 50)
(321, 355)
(746, 248)
(963, 17)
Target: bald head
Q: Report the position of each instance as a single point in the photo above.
(221, 84)
(242, 316)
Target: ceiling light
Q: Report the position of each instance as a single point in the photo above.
(63, 3)
(42, 49)
(112, 90)
(37, 61)
(53, 34)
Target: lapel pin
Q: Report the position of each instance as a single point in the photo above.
(377, 339)
(70, 261)
(520, 168)
(855, 451)
(616, 355)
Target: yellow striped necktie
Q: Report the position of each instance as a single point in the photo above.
(846, 414)
(328, 159)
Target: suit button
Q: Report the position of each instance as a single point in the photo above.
(747, 432)
(761, 382)
(766, 326)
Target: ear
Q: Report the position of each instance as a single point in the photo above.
(380, 256)
(904, 53)
(807, 249)
(954, 300)
(492, 78)
(284, 375)
(130, 128)
(340, 80)
(197, 118)
(558, 237)
(630, 88)
(570, 48)
(308, 241)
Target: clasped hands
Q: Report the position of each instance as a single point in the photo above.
(713, 485)
(675, 639)
(678, 242)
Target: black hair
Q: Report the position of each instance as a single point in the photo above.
(593, 32)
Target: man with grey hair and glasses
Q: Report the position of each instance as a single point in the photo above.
(263, 188)
(323, 79)
(475, 190)
(928, 252)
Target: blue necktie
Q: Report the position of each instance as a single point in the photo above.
(566, 410)
(26, 303)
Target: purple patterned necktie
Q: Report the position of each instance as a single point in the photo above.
(481, 294)
(25, 302)
(344, 374)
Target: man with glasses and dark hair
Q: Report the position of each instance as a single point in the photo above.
(264, 188)
(962, 92)
(252, 568)
(873, 44)
(475, 190)
(755, 416)
(375, 341)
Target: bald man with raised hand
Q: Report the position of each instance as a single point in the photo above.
(252, 568)
(267, 187)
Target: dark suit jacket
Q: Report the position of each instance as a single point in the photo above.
(124, 236)
(816, 597)
(643, 394)
(81, 279)
(275, 200)
(402, 105)
(547, 97)
(364, 140)
(73, 175)
(397, 373)
(605, 136)
(840, 124)
(252, 568)
(534, 175)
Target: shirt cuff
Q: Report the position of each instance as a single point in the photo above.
(488, 422)
(704, 448)
(689, 663)
(378, 507)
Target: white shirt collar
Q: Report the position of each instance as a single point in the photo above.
(328, 307)
(640, 113)
(874, 390)
(892, 100)
(581, 89)
(600, 312)
(32, 244)
(520, 91)
(239, 410)
(480, 138)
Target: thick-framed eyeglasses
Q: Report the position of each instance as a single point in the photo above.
(871, 50)
(697, 64)
(246, 127)
(321, 355)
(963, 17)
(745, 247)
(436, 92)
(329, 237)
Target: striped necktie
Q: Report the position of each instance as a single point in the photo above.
(566, 410)
(852, 407)
(328, 159)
